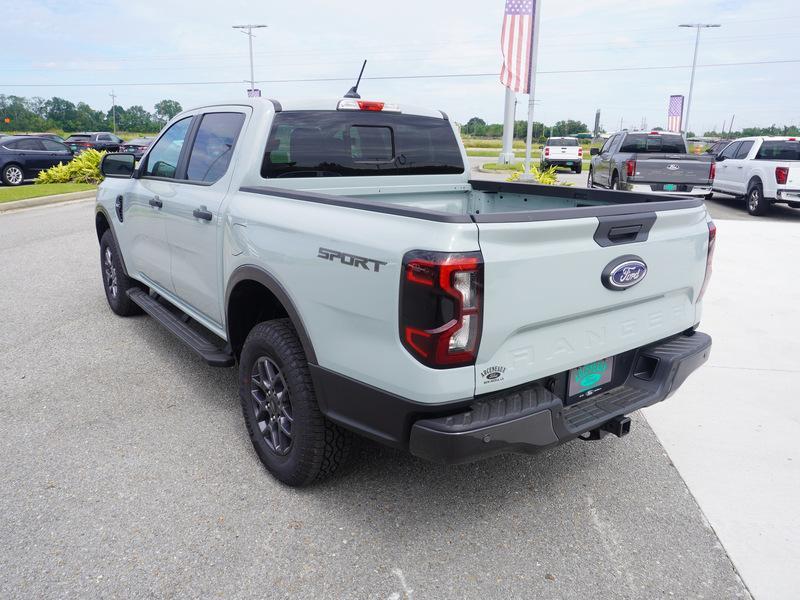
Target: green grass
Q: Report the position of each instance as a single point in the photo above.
(22, 192)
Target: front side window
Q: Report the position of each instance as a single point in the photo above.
(213, 146)
(163, 158)
(730, 151)
(607, 146)
(104, 138)
(359, 143)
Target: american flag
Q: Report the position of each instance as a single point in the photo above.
(675, 114)
(516, 44)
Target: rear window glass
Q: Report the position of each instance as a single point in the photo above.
(359, 143)
(77, 138)
(644, 144)
(562, 142)
(779, 150)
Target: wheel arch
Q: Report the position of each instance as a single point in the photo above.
(755, 179)
(103, 223)
(253, 295)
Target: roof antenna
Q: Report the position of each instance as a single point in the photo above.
(353, 92)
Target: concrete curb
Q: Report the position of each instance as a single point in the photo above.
(45, 200)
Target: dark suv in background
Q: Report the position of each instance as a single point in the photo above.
(23, 156)
(99, 140)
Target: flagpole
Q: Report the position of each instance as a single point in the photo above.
(537, 4)
(507, 154)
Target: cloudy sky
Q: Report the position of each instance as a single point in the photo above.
(621, 56)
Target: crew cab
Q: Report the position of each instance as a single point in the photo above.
(652, 161)
(338, 253)
(764, 170)
(562, 152)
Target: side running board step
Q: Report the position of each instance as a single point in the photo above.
(207, 350)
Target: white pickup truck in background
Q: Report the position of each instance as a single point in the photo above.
(339, 253)
(764, 170)
(562, 152)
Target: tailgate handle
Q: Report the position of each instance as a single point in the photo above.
(624, 229)
(624, 233)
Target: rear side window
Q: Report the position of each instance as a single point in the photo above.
(77, 138)
(359, 143)
(568, 142)
(744, 149)
(653, 144)
(163, 158)
(213, 146)
(27, 144)
(779, 150)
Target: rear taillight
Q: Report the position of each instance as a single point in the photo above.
(441, 307)
(712, 241)
(630, 168)
(713, 171)
(781, 175)
(580, 152)
(547, 151)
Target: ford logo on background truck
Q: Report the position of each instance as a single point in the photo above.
(624, 272)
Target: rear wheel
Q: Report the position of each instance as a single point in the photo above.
(757, 205)
(12, 175)
(578, 169)
(291, 437)
(615, 182)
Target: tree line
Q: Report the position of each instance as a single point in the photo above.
(756, 131)
(477, 127)
(37, 114)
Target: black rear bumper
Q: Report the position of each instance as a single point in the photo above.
(530, 418)
(523, 419)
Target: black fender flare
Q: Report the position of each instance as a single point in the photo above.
(101, 210)
(260, 275)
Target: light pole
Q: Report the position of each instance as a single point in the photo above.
(114, 109)
(248, 31)
(697, 26)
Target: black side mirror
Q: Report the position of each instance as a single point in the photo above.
(117, 165)
(720, 158)
(594, 151)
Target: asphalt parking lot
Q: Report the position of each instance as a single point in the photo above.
(127, 472)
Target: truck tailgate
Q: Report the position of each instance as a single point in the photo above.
(663, 168)
(546, 309)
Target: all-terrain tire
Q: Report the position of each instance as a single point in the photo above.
(757, 205)
(316, 446)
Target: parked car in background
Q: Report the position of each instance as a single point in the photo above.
(562, 152)
(99, 140)
(765, 170)
(48, 136)
(137, 146)
(655, 161)
(23, 156)
(717, 147)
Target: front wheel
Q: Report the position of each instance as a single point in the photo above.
(115, 282)
(291, 437)
(757, 205)
(12, 175)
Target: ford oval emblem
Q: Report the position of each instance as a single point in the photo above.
(623, 273)
(673, 167)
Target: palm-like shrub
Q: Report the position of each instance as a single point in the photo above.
(84, 168)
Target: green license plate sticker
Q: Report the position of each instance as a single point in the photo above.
(591, 378)
(670, 187)
(569, 163)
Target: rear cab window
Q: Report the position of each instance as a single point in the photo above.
(359, 143)
(641, 143)
(213, 146)
(779, 150)
(568, 142)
